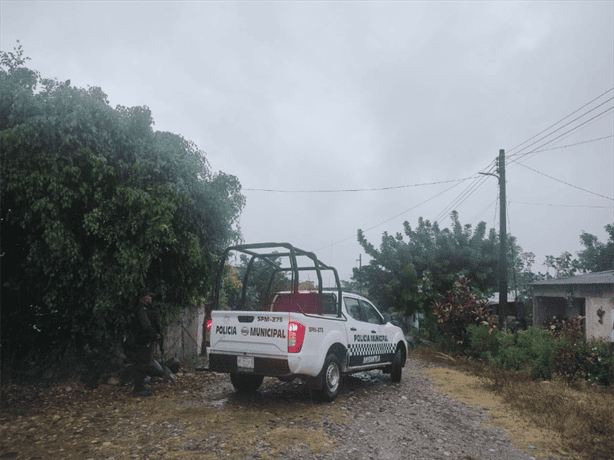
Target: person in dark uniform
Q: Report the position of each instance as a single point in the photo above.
(145, 337)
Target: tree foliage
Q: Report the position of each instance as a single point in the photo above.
(408, 275)
(96, 206)
(595, 257)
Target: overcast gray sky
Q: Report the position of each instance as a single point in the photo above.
(301, 96)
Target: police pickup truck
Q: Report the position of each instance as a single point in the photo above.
(273, 328)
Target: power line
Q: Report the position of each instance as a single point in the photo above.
(475, 185)
(566, 135)
(572, 145)
(566, 183)
(560, 205)
(494, 222)
(575, 111)
(549, 134)
(357, 190)
(484, 210)
(388, 220)
(465, 194)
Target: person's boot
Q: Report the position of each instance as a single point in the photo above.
(141, 392)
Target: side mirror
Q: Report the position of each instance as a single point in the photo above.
(387, 317)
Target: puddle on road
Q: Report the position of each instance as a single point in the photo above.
(218, 403)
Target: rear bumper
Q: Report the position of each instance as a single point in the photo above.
(272, 367)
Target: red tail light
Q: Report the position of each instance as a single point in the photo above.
(296, 336)
(209, 323)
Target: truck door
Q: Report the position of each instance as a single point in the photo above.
(362, 335)
(382, 341)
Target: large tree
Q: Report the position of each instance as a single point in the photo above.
(595, 257)
(408, 275)
(95, 207)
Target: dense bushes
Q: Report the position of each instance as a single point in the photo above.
(460, 308)
(95, 207)
(541, 354)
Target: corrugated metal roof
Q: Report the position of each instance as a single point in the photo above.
(606, 277)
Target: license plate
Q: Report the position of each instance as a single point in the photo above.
(245, 363)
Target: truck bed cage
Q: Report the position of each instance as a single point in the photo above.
(268, 252)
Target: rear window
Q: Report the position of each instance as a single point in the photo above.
(311, 303)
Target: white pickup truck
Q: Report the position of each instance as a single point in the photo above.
(318, 335)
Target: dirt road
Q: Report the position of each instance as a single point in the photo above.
(199, 416)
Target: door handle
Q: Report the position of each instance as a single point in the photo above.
(373, 332)
(352, 329)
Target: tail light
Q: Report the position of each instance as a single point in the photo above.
(209, 323)
(296, 336)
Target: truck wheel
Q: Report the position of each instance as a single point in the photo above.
(396, 369)
(246, 383)
(329, 381)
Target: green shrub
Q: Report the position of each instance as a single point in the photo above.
(598, 362)
(483, 342)
(530, 351)
(561, 349)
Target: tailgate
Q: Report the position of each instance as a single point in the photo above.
(252, 332)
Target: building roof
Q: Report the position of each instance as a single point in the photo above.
(606, 277)
(494, 299)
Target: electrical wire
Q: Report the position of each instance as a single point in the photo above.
(572, 145)
(465, 194)
(357, 190)
(552, 140)
(509, 231)
(388, 220)
(494, 222)
(474, 218)
(566, 183)
(560, 205)
(565, 135)
(474, 186)
(575, 111)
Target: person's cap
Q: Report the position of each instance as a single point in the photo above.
(144, 292)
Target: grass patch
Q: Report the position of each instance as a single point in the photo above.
(581, 413)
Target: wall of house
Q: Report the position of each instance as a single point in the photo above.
(604, 328)
(552, 300)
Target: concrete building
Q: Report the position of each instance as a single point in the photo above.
(590, 295)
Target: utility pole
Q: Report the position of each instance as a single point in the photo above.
(503, 242)
(502, 239)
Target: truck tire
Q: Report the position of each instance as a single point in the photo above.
(246, 383)
(396, 369)
(328, 383)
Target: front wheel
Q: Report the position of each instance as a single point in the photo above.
(396, 369)
(328, 383)
(246, 383)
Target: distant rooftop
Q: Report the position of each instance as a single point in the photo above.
(606, 277)
(494, 299)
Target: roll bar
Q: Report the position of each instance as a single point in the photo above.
(268, 252)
